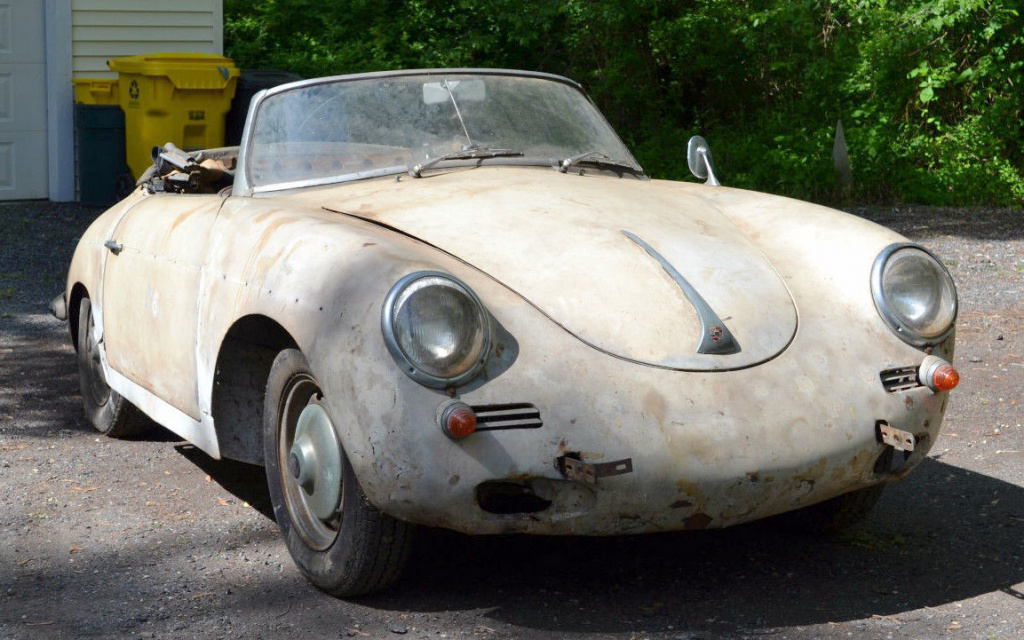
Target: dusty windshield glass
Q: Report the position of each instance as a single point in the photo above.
(357, 128)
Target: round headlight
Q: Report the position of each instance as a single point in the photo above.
(914, 294)
(436, 329)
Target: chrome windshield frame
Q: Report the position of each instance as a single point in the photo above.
(243, 184)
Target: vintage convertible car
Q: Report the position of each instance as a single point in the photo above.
(453, 298)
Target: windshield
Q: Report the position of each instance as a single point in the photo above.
(353, 128)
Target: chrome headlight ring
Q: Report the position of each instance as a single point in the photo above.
(436, 329)
(914, 294)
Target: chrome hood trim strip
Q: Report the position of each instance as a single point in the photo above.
(715, 337)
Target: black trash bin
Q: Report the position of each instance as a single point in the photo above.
(103, 175)
(249, 84)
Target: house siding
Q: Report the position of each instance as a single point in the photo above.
(104, 29)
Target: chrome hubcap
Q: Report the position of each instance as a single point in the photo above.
(310, 461)
(317, 459)
(98, 390)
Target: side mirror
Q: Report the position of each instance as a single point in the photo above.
(698, 157)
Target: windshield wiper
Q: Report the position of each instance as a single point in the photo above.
(598, 159)
(471, 153)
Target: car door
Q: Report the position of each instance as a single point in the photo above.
(151, 294)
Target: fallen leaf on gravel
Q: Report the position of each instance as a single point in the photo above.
(76, 488)
(13, 447)
(75, 549)
(954, 625)
(209, 479)
(222, 502)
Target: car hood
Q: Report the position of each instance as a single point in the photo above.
(568, 244)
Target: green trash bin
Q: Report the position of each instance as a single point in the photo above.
(250, 83)
(103, 175)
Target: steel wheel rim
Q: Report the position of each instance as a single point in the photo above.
(96, 383)
(316, 524)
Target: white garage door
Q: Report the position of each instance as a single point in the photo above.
(23, 169)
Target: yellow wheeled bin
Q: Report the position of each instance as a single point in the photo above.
(173, 97)
(96, 91)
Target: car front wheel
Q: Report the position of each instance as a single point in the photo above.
(111, 414)
(341, 543)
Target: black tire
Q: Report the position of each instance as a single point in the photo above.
(839, 513)
(356, 549)
(111, 414)
(848, 509)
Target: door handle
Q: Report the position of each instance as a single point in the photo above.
(114, 247)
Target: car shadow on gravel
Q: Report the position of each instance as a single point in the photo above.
(39, 388)
(32, 370)
(946, 535)
(247, 482)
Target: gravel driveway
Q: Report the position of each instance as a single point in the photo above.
(152, 539)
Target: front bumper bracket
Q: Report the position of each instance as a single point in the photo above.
(575, 469)
(895, 438)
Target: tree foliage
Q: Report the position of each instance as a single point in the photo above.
(930, 92)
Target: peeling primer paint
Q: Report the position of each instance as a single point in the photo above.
(813, 474)
(859, 469)
(714, 430)
(654, 406)
(563, 292)
(697, 521)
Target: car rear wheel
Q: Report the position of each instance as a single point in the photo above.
(111, 414)
(341, 543)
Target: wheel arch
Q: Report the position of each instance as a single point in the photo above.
(243, 363)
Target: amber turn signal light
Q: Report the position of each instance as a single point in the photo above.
(945, 378)
(457, 419)
(937, 374)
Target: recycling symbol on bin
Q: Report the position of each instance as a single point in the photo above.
(133, 90)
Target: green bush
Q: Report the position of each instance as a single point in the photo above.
(929, 91)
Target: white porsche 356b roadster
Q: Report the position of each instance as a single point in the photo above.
(453, 298)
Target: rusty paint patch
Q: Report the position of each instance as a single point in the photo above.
(813, 474)
(697, 521)
(684, 486)
(654, 405)
(859, 466)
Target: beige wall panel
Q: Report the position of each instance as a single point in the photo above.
(104, 29)
(131, 18)
(148, 33)
(142, 6)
